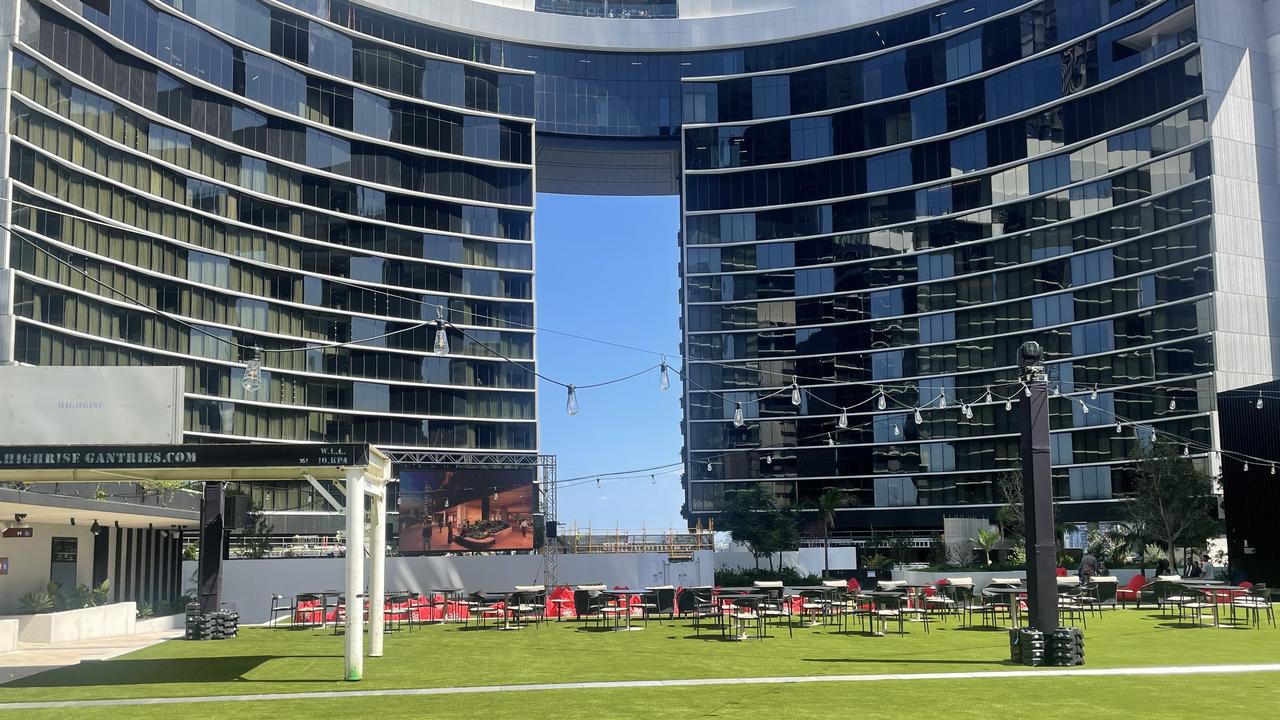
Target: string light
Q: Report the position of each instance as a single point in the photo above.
(251, 381)
(1057, 391)
(881, 404)
(843, 422)
(709, 468)
(986, 398)
(795, 391)
(918, 417)
(831, 442)
(571, 404)
(897, 431)
(446, 501)
(1084, 408)
(1258, 403)
(1119, 428)
(768, 459)
(738, 420)
(1026, 389)
(1273, 468)
(1094, 395)
(1173, 404)
(441, 344)
(1008, 404)
(942, 401)
(1186, 451)
(1246, 467)
(653, 479)
(968, 411)
(664, 378)
(495, 494)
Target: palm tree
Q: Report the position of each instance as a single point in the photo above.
(988, 539)
(827, 503)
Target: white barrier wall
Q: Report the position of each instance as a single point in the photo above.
(806, 561)
(247, 585)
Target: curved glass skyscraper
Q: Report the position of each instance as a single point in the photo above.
(881, 201)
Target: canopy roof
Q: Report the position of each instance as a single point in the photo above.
(244, 462)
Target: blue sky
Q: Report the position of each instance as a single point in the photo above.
(607, 269)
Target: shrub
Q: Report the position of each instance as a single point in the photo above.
(744, 577)
(36, 602)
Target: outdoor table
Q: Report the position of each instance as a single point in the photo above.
(560, 603)
(625, 597)
(751, 601)
(822, 593)
(324, 605)
(875, 595)
(1210, 589)
(451, 595)
(1014, 592)
(505, 597)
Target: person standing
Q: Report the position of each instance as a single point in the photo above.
(1207, 570)
(1088, 567)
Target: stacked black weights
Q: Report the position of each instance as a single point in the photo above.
(1067, 647)
(1063, 647)
(1026, 647)
(217, 625)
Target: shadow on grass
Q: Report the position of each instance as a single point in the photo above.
(161, 671)
(907, 661)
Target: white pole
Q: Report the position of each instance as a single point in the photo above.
(378, 562)
(355, 573)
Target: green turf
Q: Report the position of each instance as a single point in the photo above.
(282, 660)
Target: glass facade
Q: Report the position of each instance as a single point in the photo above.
(263, 179)
(903, 221)
(894, 206)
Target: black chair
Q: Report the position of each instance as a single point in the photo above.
(588, 603)
(707, 610)
(277, 608)
(660, 600)
(528, 604)
(775, 606)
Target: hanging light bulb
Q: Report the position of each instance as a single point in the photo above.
(597, 482)
(942, 401)
(986, 397)
(897, 431)
(495, 494)
(441, 346)
(446, 501)
(1186, 451)
(1008, 404)
(918, 417)
(966, 411)
(709, 468)
(1119, 428)
(1173, 404)
(795, 390)
(1246, 467)
(664, 377)
(1094, 395)
(571, 404)
(251, 381)
(1273, 468)
(881, 403)
(1258, 403)
(653, 479)
(768, 459)
(831, 442)
(843, 422)
(1084, 408)
(738, 420)
(1026, 389)
(1057, 391)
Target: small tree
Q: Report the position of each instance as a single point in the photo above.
(826, 505)
(988, 539)
(753, 519)
(1171, 499)
(1012, 515)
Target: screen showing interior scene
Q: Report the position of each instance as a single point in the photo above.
(469, 510)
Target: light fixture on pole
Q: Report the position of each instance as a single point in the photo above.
(441, 344)
(664, 377)
(571, 404)
(251, 381)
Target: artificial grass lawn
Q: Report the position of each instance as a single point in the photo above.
(274, 660)
(1203, 696)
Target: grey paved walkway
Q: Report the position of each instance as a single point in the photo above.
(1030, 673)
(32, 658)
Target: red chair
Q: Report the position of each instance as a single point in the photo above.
(1130, 591)
(1062, 572)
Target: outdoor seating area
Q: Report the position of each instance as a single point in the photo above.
(767, 609)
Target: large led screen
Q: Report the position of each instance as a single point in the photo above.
(466, 510)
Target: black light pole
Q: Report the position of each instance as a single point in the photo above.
(1037, 493)
(211, 548)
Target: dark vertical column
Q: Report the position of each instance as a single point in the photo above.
(165, 567)
(126, 574)
(148, 566)
(117, 577)
(101, 554)
(139, 542)
(211, 547)
(1037, 495)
